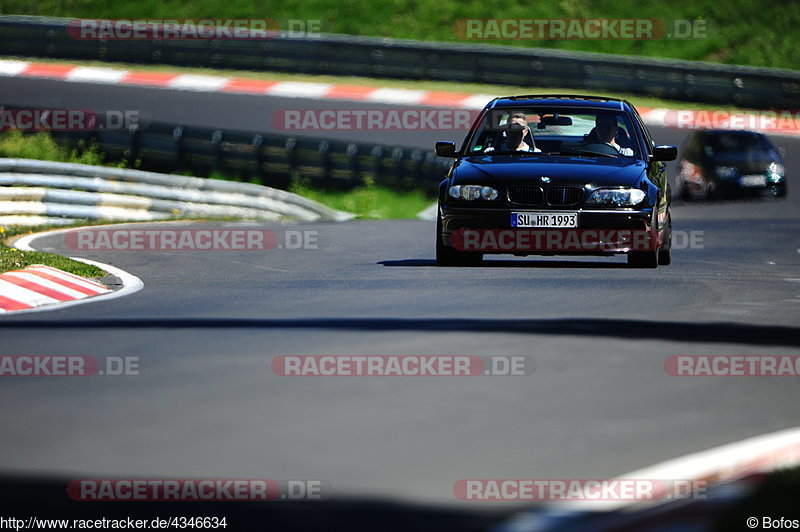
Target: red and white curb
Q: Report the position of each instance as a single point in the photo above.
(203, 83)
(41, 288)
(779, 124)
(38, 285)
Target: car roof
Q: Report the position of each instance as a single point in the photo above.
(561, 100)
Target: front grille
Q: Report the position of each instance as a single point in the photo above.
(564, 196)
(525, 195)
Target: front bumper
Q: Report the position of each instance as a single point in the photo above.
(736, 189)
(599, 232)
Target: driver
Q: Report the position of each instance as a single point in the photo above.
(606, 130)
(515, 138)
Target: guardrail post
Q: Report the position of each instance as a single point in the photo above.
(352, 161)
(216, 145)
(258, 158)
(324, 149)
(376, 158)
(291, 156)
(417, 158)
(177, 136)
(133, 156)
(376, 60)
(399, 168)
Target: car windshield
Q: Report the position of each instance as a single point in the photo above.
(554, 131)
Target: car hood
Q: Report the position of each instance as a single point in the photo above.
(494, 170)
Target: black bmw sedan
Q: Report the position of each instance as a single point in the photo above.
(555, 175)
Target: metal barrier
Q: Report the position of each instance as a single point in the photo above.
(266, 159)
(403, 59)
(37, 192)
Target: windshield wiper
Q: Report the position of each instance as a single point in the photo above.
(578, 151)
(510, 152)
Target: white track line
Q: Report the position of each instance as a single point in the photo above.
(719, 464)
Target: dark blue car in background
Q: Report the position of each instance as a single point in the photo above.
(730, 164)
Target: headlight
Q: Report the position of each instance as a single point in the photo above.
(488, 193)
(725, 172)
(616, 196)
(775, 172)
(472, 192)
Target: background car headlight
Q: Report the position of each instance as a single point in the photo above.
(726, 172)
(472, 192)
(616, 196)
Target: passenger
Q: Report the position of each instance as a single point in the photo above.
(605, 132)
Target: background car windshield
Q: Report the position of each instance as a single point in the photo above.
(553, 130)
(737, 142)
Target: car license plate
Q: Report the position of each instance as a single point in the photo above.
(544, 219)
(753, 181)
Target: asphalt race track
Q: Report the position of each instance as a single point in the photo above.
(207, 324)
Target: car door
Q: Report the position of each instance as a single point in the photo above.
(656, 173)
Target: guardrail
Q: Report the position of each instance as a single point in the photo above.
(266, 159)
(39, 192)
(393, 58)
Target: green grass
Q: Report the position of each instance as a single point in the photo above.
(369, 201)
(41, 146)
(15, 259)
(12, 258)
(743, 32)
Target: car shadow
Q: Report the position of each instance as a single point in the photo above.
(626, 329)
(560, 264)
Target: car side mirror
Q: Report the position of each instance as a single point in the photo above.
(446, 149)
(665, 153)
